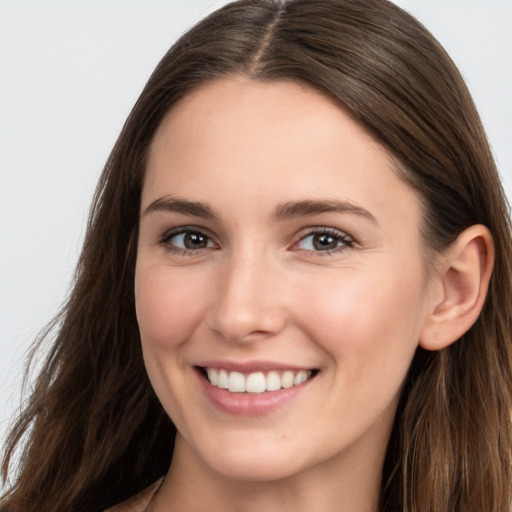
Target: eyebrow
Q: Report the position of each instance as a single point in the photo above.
(183, 206)
(307, 208)
(289, 210)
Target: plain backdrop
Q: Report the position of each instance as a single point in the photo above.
(70, 71)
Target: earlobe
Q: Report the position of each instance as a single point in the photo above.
(463, 276)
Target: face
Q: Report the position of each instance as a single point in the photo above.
(281, 255)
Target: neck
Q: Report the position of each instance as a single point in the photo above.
(347, 483)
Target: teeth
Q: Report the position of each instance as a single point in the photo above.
(213, 376)
(223, 380)
(257, 382)
(273, 381)
(300, 378)
(236, 382)
(287, 379)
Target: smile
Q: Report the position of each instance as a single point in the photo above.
(256, 382)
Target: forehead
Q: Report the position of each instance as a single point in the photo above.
(269, 143)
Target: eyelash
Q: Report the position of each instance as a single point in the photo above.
(190, 230)
(344, 240)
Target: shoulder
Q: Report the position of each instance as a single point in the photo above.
(138, 502)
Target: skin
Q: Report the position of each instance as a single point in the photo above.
(261, 290)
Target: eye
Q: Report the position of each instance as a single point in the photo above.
(186, 239)
(325, 240)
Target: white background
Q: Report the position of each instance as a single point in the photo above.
(70, 71)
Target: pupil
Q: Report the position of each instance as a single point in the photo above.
(195, 241)
(323, 242)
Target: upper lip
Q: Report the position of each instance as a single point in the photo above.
(252, 366)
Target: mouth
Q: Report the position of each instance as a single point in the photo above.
(256, 382)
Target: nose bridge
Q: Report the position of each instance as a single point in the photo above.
(246, 304)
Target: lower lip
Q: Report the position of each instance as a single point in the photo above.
(250, 404)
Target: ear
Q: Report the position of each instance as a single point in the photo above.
(461, 281)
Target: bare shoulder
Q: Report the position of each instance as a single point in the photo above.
(138, 502)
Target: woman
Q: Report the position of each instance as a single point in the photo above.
(285, 296)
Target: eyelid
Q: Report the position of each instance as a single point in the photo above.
(346, 239)
(167, 235)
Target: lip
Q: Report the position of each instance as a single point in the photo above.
(251, 366)
(248, 404)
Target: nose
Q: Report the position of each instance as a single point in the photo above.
(247, 305)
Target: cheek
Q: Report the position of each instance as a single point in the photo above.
(366, 320)
(168, 311)
(168, 306)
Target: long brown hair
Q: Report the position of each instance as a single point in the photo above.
(93, 430)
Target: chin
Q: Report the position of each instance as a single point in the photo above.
(254, 461)
(248, 470)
